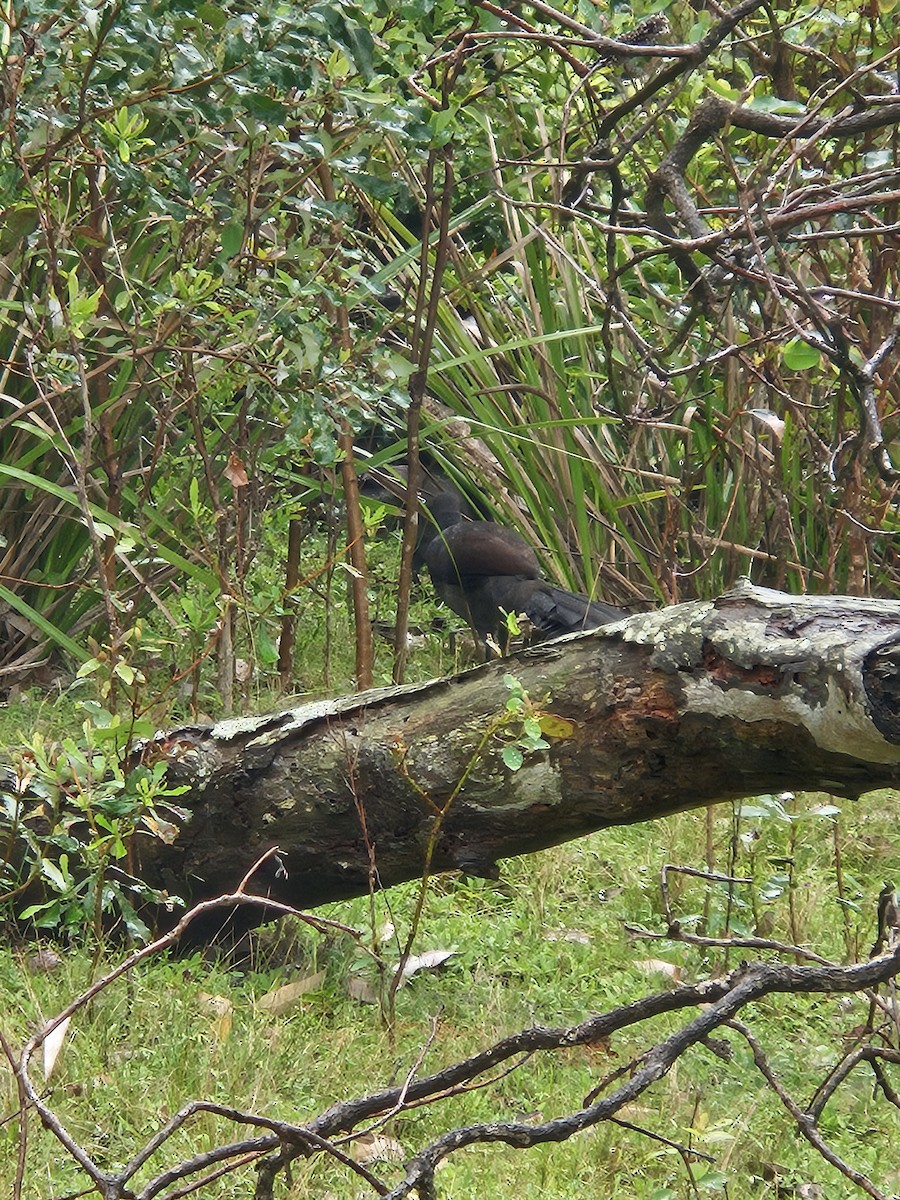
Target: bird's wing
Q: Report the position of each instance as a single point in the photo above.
(476, 549)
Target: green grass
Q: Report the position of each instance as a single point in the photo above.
(547, 945)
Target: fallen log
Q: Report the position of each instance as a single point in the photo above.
(696, 703)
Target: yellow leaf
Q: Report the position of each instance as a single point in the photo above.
(220, 1009)
(554, 726)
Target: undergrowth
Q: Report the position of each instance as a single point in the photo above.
(556, 939)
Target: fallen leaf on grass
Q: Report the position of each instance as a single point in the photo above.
(535, 1117)
(282, 999)
(429, 961)
(53, 1044)
(659, 966)
(373, 1146)
(359, 988)
(786, 1183)
(45, 961)
(214, 1006)
(568, 935)
(220, 1009)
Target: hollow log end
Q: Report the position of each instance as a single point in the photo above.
(881, 679)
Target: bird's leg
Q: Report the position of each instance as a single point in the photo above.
(494, 647)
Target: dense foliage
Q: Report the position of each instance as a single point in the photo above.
(658, 318)
(178, 235)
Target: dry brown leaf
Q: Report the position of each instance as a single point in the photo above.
(282, 999)
(359, 988)
(164, 830)
(44, 961)
(235, 472)
(535, 1117)
(214, 1006)
(372, 1146)
(768, 420)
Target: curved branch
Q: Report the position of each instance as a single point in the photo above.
(804, 1121)
(718, 1001)
(736, 991)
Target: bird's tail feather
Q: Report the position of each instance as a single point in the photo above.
(569, 611)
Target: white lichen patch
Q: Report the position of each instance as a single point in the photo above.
(761, 655)
(675, 633)
(835, 725)
(272, 726)
(537, 782)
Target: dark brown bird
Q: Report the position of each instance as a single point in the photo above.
(484, 571)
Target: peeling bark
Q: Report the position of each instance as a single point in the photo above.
(696, 703)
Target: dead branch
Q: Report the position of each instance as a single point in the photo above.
(714, 1003)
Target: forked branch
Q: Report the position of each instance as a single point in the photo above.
(708, 1006)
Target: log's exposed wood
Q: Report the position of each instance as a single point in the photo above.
(756, 691)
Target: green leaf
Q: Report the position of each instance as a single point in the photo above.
(799, 355)
(266, 648)
(138, 930)
(51, 631)
(212, 14)
(721, 88)
(513, 757)
(126, 672)
(50, 908)
(825, 810)
(775, 104)
(264, 108)
(194, 496)
(232, 238)
(532, 728)
(533, 744)
(53, 874)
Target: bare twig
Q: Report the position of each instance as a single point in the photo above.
(804, 1120)
(426, 313)
(715, 1002)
